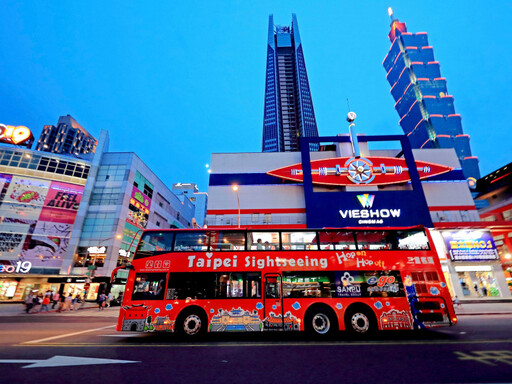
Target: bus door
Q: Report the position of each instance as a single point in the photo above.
(273, 302)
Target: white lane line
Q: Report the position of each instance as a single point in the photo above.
(125, 335)
(66, 335)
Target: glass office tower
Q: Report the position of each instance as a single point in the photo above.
(427, 113)
(289, 110)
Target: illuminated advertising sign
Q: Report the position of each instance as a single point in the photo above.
(19, 267)
(138, 211)
(352, 171)
(16, 135)
(470, 245)
(367, 215)
(37, 221)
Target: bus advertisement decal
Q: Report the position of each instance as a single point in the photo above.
(369, 284)
(236, 320)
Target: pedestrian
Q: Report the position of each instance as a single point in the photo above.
(62, 301)
(67, 302)
(74, 303)
(37, 300)
(109, 298)
(101, 301)
(484, 290)
(29, 304)
(475, 286)
(44, 303)
(55, 299)
(456, 302)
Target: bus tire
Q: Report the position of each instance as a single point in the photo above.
(192, 323)
(320, 321)
(360, 320)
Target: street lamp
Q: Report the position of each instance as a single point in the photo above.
(235, 188)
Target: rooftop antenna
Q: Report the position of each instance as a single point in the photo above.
(390, 13)
(351, 116)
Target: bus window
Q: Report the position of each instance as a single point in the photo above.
(273, 287)
(149, 286)
(339, 240)
(414, 239)
(376, 240)
(308, 284)
(154, 242)
(260, 241)
(191, 241)
(213, 285)
(253, 284)
(228, 241)
(299, 241)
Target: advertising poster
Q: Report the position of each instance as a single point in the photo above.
(138, 211)
(37, 218)
(470, 245)
(62, 202)
(24, 198)
(12, 236)
(369, 284)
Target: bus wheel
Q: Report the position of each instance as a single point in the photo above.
(320, 323)
(192, 324)
(360, 321)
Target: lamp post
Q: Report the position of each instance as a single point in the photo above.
(235, 188)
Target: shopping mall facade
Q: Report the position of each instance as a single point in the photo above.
(67, 222)
(346, 184)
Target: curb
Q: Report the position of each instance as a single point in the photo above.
(483, 313)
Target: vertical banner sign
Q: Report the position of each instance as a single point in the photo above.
(470, 245)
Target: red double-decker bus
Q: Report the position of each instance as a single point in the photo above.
(193, 281)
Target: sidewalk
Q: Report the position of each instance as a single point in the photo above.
(481, 307)
(8, 310)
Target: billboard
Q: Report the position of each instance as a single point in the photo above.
(475, 245)
(19, 135)
(36, 220)
(138, 210)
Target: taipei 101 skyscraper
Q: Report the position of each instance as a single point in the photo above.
(426, 109)
(288, 113)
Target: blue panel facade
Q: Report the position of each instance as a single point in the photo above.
(343, 209)
(427, 114)
(289, 113)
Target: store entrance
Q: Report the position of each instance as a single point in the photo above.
(478, 284)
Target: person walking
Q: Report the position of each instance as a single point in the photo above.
(67, 302)
(55, 299)
(44, 303)
(101, 301)
(109, 298)
(62, 300)
(29, 302)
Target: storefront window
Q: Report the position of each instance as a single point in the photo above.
(478, 284)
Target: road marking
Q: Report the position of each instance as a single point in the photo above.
(487, 357)
(65, 361)
(275, 344)
(66, 335)
(124, 335)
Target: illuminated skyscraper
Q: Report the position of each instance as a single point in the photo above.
(289, 110)
(427, 113)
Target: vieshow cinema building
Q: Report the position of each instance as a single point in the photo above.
(66, 221)
(334, 188)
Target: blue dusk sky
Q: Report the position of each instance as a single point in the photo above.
(175, 81)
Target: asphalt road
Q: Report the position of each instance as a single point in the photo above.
(34, 349)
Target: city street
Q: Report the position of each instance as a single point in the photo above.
(72, 347)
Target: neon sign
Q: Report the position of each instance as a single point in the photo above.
(97, 250)
(359, 171)
(19, 135)
(19, 267)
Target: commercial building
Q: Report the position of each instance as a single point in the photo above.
(426, 109)
(68, 137)
(496, 189)
(289, 113)
(66, 223)
(189, 191)
(399, 186)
